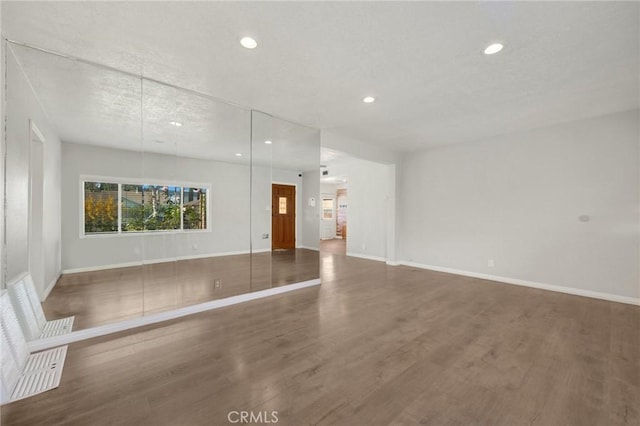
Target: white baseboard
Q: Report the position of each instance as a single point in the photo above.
(76, 336)
(366, 256)
(50, 287)
(266, 250)
(393, 263)
(153, 261)
(532, 284)
(309, 248)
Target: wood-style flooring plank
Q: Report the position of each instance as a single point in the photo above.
(373, 345)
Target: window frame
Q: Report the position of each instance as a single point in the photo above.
(137, 181)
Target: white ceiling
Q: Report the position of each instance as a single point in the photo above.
(423, 61)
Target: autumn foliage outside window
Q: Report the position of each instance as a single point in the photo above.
(100, 207)
(143, 208)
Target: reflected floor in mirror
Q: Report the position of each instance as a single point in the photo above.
(112, 295)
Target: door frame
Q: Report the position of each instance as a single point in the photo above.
(298, 208)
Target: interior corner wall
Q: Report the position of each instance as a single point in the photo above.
(557, 206)
(23, 106)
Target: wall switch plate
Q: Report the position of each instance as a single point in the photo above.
(265, 236)
(491, 263)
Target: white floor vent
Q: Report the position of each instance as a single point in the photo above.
(30, 314)
(42, 372)
(57, 327)
(23, 374)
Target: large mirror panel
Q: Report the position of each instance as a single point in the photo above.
(285, 202)
(197, 160)
(128, 197)
(73, 130)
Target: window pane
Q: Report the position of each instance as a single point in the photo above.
(132, 208)
(282, 205)
(161, 207)
(100, 207)
(327, 208)
(194, 208)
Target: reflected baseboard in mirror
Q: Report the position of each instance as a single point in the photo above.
(107, 296)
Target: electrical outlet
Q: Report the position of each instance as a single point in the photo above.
(217, 283)
(194, 247)
(491, 263)
(265, 236)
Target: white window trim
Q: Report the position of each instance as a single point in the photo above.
(138, 181)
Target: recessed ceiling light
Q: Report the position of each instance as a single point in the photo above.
(248, 42)
(175, 124)
(493, 48)
(268, 142)
(368, 99)
(238, 154)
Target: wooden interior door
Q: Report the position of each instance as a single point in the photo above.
(283, 216)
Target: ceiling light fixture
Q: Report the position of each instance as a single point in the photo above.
(248, 43)
(493, 48)
(175, 124)
(268, 142)
(368, 99)
(238, 154)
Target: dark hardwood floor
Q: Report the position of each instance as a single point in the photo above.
(373, 345)
(335, 246)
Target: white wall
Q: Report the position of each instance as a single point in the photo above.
(310, 214)
(369, 193)
(229, 208)
(23, 106)
(517, 199)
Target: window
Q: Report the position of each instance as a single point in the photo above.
(122, 208)
(100, 208)
(327, 208)
(282, 205)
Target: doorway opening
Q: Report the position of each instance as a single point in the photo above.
(283, 217)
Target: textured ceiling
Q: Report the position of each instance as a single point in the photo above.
(423, 61)
(93, 105)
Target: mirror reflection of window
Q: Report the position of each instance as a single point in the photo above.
(142, 208)
(100, 208)
(194, 210)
